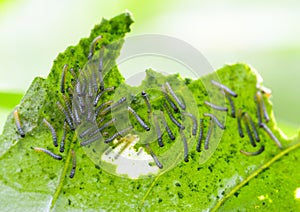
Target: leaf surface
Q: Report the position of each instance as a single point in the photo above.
(220, 178)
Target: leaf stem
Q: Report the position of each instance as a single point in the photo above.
(64, 173)
(148, 191)
(254, 174)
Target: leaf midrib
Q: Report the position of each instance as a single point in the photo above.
(64, 173)
(255, 173)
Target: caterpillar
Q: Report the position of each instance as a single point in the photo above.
(48, 152)
(18, 123)
(216, 107)
(67, 116)
(170, 134)
(198, 148)
(117, 134)
(169, 100)
(88, 111)
(173, 119)
(72, 173)
(272, 136)
(256, 135)
(100, 69)
(146, 98)
(63, 79)
(195, 123)
(261, 149)
(100, 94)
(185, 147)
(159, 165)
(261, 108)
(158, 131)
(181, 104)
(53, 132)
(231, 103)
(63, 138)
(138, 118)
(215, 119)
(119, 102)
(224, 88)
(249, 133)
(239, 124)
(105, 125)
(93, 46)
(208, 135)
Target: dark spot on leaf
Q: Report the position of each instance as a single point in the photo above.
(187, 81)
(52, 176)
(178, 184)
(236, 194)
(193, 155)
(180, 195)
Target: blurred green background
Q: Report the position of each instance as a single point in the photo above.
(265, 34)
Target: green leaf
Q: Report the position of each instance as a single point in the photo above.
(220, 178)
(41, 185)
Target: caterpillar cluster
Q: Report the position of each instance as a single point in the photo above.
(87, 111)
